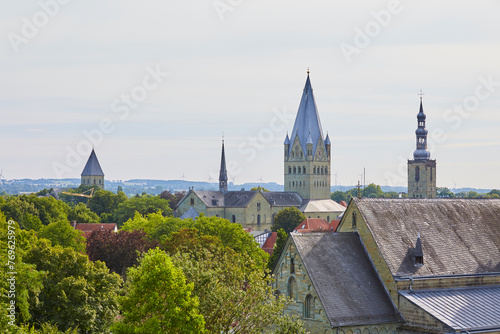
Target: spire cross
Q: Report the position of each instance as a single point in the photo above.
(421, 94)
(307, 69)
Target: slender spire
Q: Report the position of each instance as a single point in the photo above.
(223, 170)
(421, 153)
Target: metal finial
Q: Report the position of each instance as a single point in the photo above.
(307, 69)
(421, 94)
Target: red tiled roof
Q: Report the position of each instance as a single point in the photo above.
(268, 246)
(343, 203)
(313, 225)
(334, 224)
(94, 227)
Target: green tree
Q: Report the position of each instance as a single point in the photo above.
(63, 234)
(338, 196)
(142, 204)
(22, 212)
(472, 194)
(158, 299)
(75, 293)
(173, 198)
(444, 192)
(259, 188)
(287, 219)
(233, 291)
(372, 190)
(279, 244)
(106, 202)
(82, 214)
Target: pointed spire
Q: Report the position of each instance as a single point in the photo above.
(307, 123)
(327, 140)
(287, 139)
(92, 167)
(421, 153)
(223, 170)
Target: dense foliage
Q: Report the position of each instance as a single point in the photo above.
(287, 219)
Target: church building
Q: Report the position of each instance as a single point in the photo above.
(421, 170)
(307, 171)
(92, 174)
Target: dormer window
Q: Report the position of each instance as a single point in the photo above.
(419, 260)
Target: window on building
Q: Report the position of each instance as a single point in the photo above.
(419, 260)
(289, 170)
(417, 174)
(272, 218)
(292, 266)
(292, 288)
(304, 169)
(234, 219)
(326, 170)
(328, 218)
(94, 180)
(258, 219)
(300, 170)
(258, 206)
(192, 201)
(431, 175)
(99, 181)
(354, 222)
(294, 170)
(314, 170)
(322, 170)
(309, 307)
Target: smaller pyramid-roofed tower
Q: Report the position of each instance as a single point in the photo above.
(421, 170)
(92, 173)
(223, 171)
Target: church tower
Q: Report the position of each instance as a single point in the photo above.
(421, 170)
(307, 153)
(92, 173)
(223, 171)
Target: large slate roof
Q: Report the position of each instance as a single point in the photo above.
(92, 167)
(279, 198)
(307, 123)
(345, 279)
(465, 309)
(458, 236)
(242, 198)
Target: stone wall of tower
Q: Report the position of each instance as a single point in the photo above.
(93, 180)
(421, 179)
(306, 174)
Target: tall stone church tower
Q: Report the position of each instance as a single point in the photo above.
(92, 174)
(307, 152)
(421, 170)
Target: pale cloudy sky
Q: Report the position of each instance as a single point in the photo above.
(239, 67)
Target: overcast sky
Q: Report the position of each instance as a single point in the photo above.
(154, 84)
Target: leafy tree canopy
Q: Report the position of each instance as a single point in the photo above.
(287, 219)
(278, 245)
(106, 202)
(259, 188)
(118, 250)
(82, 214)
(158, 299)
(173, 198)
(63, 234)
(142, 204)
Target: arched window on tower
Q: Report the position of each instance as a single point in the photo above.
(326, 170)
(314, 170)
(292, 288)
(304, 169)
(300, 170)
(294, 170)
(322, 170)
(417, 174)
(289, 170)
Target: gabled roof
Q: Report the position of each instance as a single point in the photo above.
(313, 225)
(321, 205)
(243, 198)
(345, 279)
(190, 213)
(458, 236)
(92, 167)
(307, 123)
(462, 309)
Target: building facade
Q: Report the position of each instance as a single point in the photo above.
(421, 170)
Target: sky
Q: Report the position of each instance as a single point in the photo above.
(153, 86)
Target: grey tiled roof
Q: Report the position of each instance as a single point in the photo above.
(465, 309)
(458, 236)
(242, 198)
(92, 167)
(277, 198)
(307, 123)
(345, 279)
